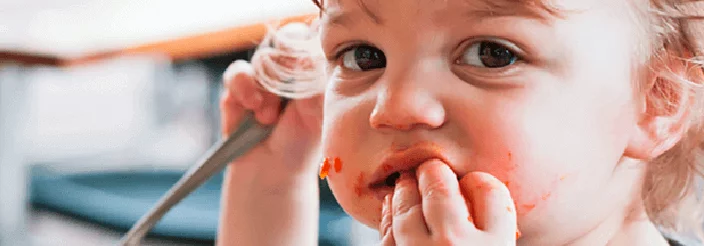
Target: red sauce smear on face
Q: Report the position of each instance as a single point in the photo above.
(325, 168)
(386, 167)
(358, 186)
(338, 164)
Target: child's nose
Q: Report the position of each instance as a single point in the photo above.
(405, 107)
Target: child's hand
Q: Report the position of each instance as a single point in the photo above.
(435, 209)
(270, 195)
(290, 148)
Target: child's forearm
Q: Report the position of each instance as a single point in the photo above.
(256, 212)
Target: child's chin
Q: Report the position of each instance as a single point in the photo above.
(366, 214)
(371, 223)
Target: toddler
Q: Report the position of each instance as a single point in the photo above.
(479, 122)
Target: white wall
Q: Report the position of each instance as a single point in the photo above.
(110, 115)
(74, 27)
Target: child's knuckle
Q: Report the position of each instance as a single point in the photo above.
(405, 208)
(436, 189)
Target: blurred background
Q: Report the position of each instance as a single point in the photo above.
(105, 103)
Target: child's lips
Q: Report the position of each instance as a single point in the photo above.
(408, 159)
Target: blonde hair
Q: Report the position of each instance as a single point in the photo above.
(672, 189)
(674, 29)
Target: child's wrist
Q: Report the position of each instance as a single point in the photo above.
(281, 182)
(274, 178)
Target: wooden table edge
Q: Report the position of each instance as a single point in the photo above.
(189, 47)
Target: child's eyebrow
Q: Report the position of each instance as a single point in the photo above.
(535, 9)
(345, 18)
(476, 9)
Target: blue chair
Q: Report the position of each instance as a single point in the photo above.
(119, 199)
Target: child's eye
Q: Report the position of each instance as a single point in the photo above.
(488, 54)
(363, 58)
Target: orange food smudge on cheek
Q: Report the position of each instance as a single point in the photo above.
(546, 196)
(324, 168)
(338, 164)
(518, 234)
(528, 207)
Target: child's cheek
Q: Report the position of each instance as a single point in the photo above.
(529, 189)
(348, 185)
(530, 194)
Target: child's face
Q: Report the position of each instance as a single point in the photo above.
(545, 104)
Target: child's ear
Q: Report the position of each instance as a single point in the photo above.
(666, 103)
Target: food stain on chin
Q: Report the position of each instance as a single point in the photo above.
(359, 185)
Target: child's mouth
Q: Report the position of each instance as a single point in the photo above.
(383, 180)
(390, 181)
(386, 186)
